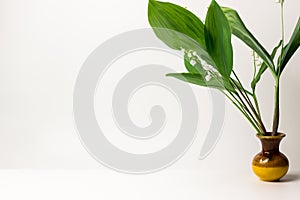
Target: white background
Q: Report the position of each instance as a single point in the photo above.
(43, 45)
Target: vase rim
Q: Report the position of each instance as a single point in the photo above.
(280, 135)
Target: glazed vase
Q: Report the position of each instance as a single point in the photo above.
(270, 164)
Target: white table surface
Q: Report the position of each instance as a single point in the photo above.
(164, 185)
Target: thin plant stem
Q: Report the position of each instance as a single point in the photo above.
(242, 111)
(238, 104)
(253, 89)
(282, 34)
(246, 97)
(245, 93)
(245, 105)
(254, 64)
(256, 104)
(276, 109)
(245, 109)
(276, 93)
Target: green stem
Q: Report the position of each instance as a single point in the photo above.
(243, 92)
(276, 109)
(247, 99)
(282, 35)
(242, 111)
(254, 64)
(282, 25)
(253, 89)
(244, 106)
(276, 93)
(256, 104)
(239, 105)
(245, 109)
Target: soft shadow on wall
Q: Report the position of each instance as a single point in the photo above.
(290, 118)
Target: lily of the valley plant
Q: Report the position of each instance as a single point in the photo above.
(208, 54)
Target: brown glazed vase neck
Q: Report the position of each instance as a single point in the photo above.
(270, 144)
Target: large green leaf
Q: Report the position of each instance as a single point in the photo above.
(217, 83)
(218, 39)
(170, 16)
(291, 47)
(263, 68)
(239, 30)
(178, 28)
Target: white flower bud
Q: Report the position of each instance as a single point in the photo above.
(208, 77)
(193, 62)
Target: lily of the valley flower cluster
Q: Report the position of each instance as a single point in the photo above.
(257, 60)
(194, 59)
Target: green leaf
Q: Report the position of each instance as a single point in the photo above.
(239, 30)
(263, 68)
(218, 39)
(291, 47)
(166, 15)
(178, 28)
(216, 83)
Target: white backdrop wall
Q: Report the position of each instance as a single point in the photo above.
(44, 43)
